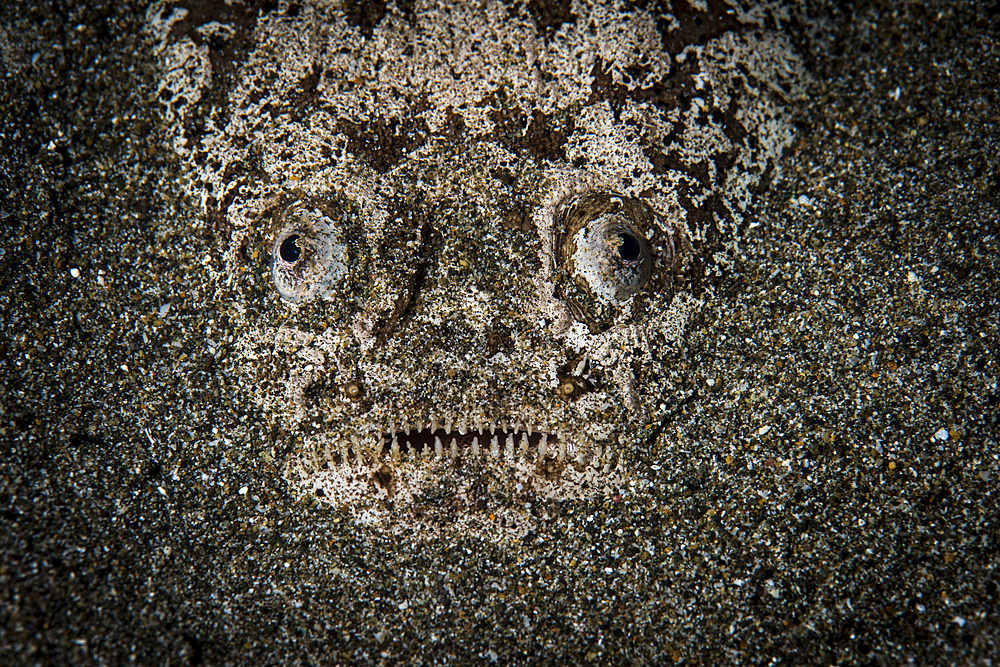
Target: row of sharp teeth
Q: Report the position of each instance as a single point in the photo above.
(510, 446)
(510, 442)
(462, 426)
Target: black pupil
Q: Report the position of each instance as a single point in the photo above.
(629, 248)
(289, 250)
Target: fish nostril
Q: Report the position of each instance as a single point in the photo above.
(289, 250)
(354, 391)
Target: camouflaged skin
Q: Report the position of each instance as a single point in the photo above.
(401, 187)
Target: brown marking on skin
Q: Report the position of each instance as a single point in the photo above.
(226, 55)
(412, 281)
(545, 138)
(384, 142)
(498, 338)
(604, 89)
(550, 15)
(385, 478)
(697, 26)
(364, 14)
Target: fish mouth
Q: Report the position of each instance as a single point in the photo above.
(448, 470)
(464, 439)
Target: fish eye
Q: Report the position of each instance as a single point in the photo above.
(604, 250)
(308, 259)
(630, 248)
(288, 250)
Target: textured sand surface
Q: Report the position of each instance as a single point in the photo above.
(827, 493)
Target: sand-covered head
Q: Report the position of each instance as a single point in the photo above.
(463, 242)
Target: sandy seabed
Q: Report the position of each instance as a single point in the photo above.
(827, 492)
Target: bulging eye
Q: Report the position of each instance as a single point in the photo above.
(308, 259)
(602, 244)
(610, 256)
(289, 251)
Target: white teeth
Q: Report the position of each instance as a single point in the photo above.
(420, 425)
(505, 441)
(479, 424)
(580, 366)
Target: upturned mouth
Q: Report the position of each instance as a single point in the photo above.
(434, 440)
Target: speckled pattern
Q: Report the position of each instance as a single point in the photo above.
(825, 489)
(426, 168)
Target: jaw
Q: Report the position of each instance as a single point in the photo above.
(455, 439)
(386, 424)
(470, 462)
(498, 479)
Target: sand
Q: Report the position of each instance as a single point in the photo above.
(825, 491)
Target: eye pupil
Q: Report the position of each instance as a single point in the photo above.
(289, 250)
(629, 249)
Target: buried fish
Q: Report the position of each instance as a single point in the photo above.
(464, 240)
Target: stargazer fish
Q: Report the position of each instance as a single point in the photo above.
(462, 240)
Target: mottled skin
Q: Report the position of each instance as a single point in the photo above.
(413, 179)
